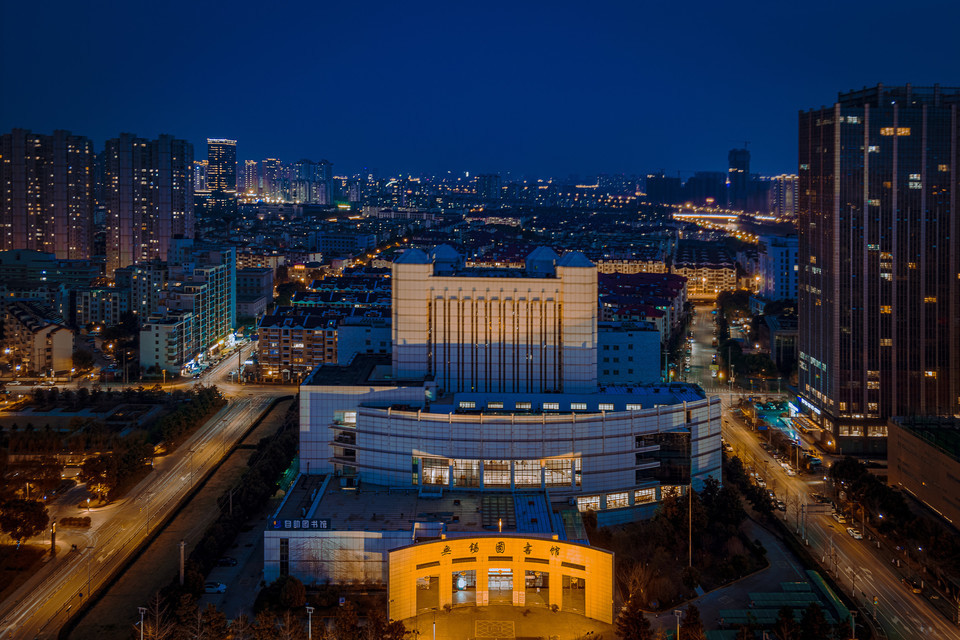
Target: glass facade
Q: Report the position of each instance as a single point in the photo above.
(879, 260)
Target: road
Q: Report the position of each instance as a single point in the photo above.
(41, 606)
(854, 564)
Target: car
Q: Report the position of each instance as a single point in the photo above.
(856, 535)
(214, 587)
(839, 517)
(761, 483)
(790, 471)
(781, 505)
(227, 561)
(913, 585)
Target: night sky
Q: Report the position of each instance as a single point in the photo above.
(550, 88)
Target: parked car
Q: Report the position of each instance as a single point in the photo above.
(781, 505)
(214, 587)
(839, 517)
(856, 535)
(227, 561)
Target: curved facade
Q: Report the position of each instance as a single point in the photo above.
(604, 460)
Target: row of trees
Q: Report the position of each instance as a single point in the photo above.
(187, 621)
(652, 554)
(193, 408)
(633, 624)
(111, 474)
(941, 545)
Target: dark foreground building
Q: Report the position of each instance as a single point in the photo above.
(878, 216)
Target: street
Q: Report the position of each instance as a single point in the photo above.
(41, 606)
(860, 571)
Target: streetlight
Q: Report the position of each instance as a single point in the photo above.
(678, 613)
(309, 623)
(142, 611)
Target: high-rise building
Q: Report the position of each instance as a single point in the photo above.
(200, 176)
(271, 175)
(706, 188)
(778, 267)
(879, 295)
(149, 197)
(738, 178)
(222, 174)
(251, 181)
(783, 195)
(488, 187)
(312, 182)
(47, 193)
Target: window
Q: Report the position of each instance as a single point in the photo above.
(551, 406)
(606, 406)
(578, 406)
(523, 406)
(436, 471)
(617, 500)
(886, 342)
(468, 404)
(526, 473)
(495, 404)
(643, 496)
(634, 407)
(284, 556)
(588, 503)
(885, 308)
(557, 471)
(496, 473)
(930, 374)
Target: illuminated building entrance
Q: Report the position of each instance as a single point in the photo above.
(500, 586)
(504, 570)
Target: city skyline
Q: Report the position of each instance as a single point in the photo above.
(527, 90)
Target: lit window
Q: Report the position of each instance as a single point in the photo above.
(578, 406)
(468, 404)
(886, 342)
(551, 406)
(930, 374)
(885, 308)
(523, 406)
(943, 167)
(606, 406)
(617, 500)
(588, 503)
(494, 405)
(642, 496)
(634, 407)
(930, 299)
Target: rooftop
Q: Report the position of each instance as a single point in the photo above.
(381, 508)
(939, 432)
(363, 369)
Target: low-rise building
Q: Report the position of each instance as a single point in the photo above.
(628, 353)
(38, 340)
(923, 455)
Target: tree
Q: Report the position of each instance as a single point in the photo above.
(379, 628)
(786, 627)
(813, 624)
(100, 474)
(82, 359)
(631, 623)
(691, 627)
(293, 595)
(22, 519)
(346, 625)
